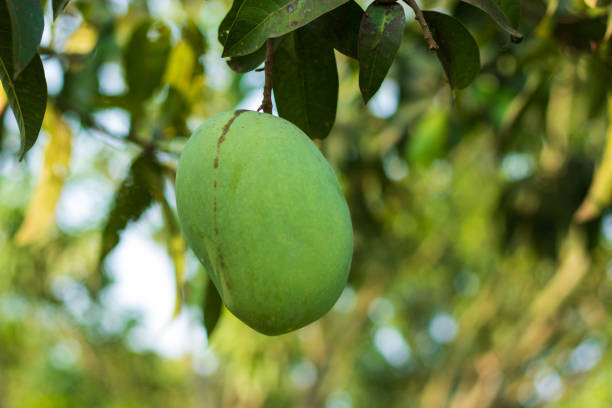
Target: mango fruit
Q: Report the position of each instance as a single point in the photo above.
(263, 211)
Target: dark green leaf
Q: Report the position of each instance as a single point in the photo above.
(196, 39)
(58, 7)
(3, 111)
(512, 11)
(340, 28)
(380, 35)
(250, 22)
(305, 82)
(133, 197)
(244, 63)
(506, 13)
(145, 59)
(458, 51)
(27, 24)
(212, 308)
(248, 62)
(229, 20)
(580, 32)
(27, 95)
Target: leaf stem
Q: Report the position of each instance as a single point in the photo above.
(266, 104)
(420, 18)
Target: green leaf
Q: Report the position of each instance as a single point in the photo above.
(28, 99)
(229, 20)
(27, 24)
(173, 115)
(380, 36)
(145, 59)
(196, 39)
(58, 7)
(428, 138)
(40, 214)
(250, 23)
(340, 28)
(512, 11)
(305, 81)
(27, 95)
(246, 63)
(133, 197)
(211, 308)
(506, 13)
(458, 51)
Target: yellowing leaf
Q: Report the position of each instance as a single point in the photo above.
(40, 214)
(82, 41)
(197, 87)
(600, 192)
(181, 64)
(597, 3)
(176, 247)
(3, 99)
(176, 250)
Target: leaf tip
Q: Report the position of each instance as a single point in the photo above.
(366, 95)
(516, 38)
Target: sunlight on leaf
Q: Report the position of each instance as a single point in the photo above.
(83, 40)
(40, 215)
(176, 246)
(181, 65)
(3, 99)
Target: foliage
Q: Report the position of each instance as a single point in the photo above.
(479, 190)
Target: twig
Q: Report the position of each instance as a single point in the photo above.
(87, 120)
(418, 15)
(70, 57)
(266, 104)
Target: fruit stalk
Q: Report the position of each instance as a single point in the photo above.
(266, 104)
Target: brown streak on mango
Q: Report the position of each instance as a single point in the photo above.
(220, 141)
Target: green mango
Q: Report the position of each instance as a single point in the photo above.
(264, 213)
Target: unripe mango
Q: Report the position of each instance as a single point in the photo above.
(265, 215)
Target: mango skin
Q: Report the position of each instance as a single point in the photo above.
(265, 215)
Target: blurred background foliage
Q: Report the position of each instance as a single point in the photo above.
(481, 275)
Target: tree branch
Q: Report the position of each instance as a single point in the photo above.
(70, 57)
(88, 121)
(418, 15)
(266, 104)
